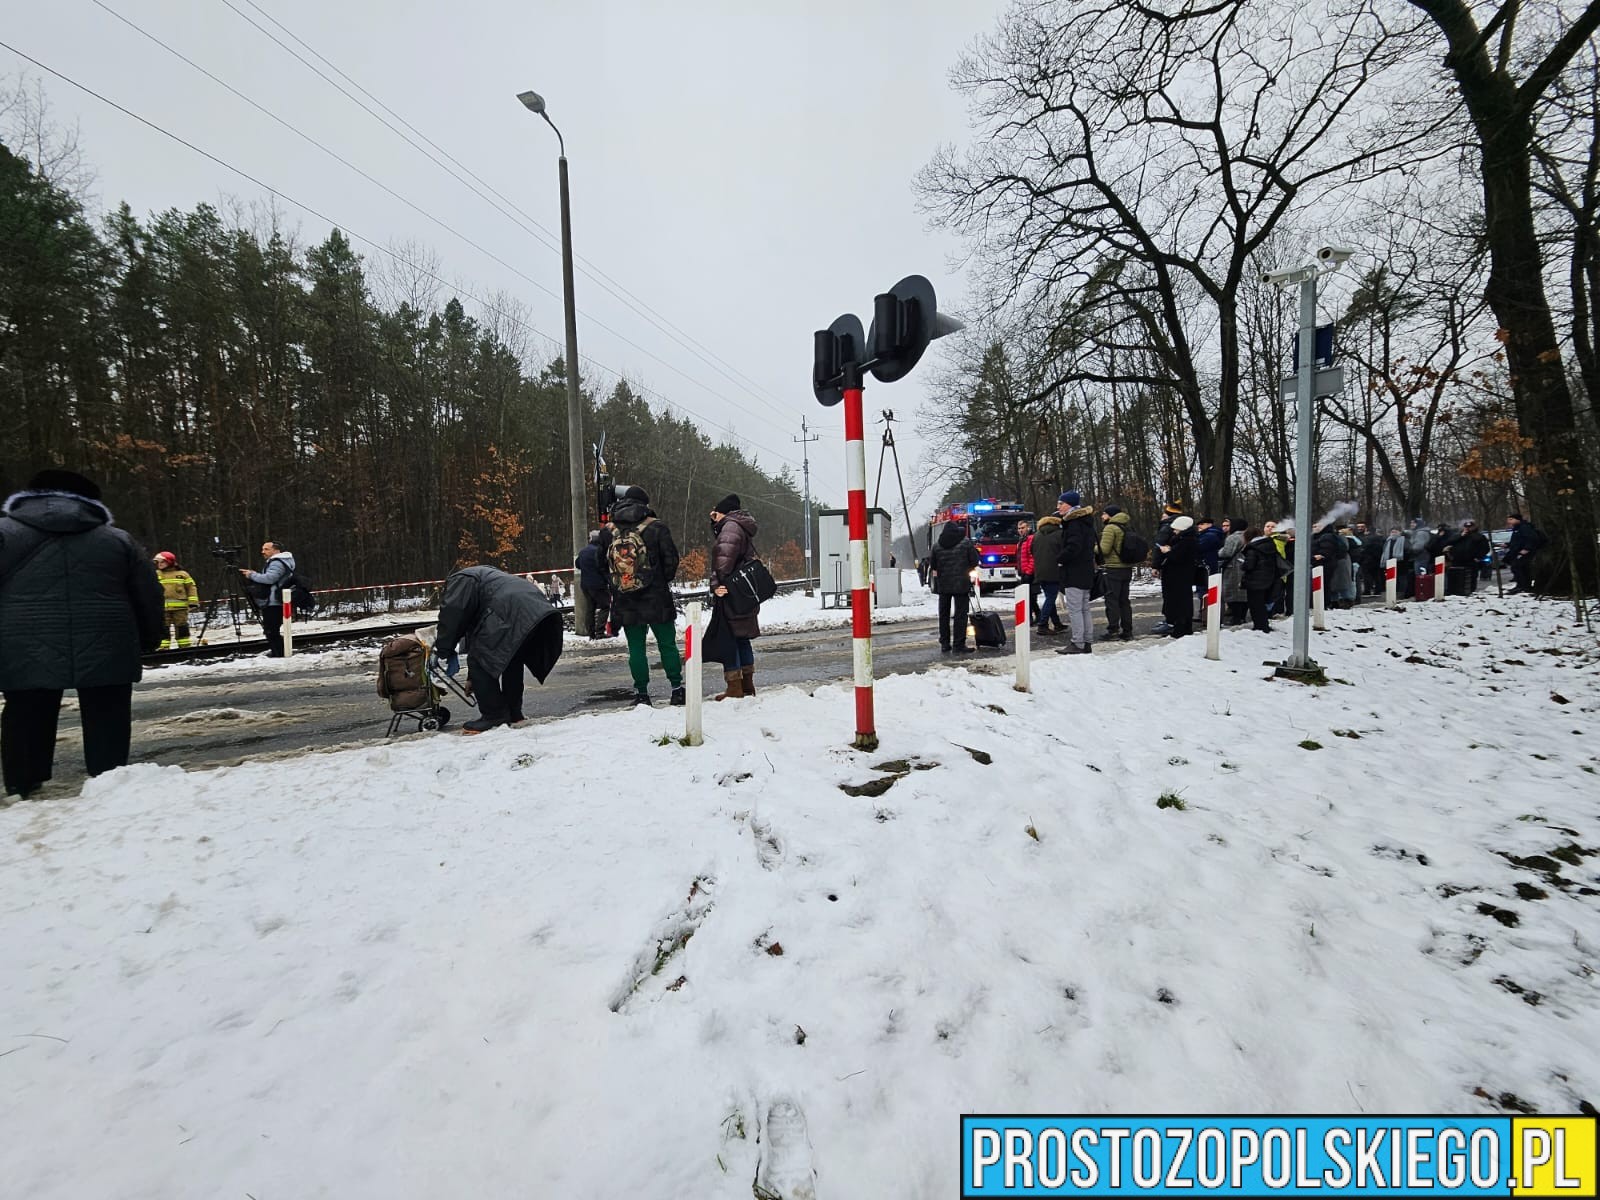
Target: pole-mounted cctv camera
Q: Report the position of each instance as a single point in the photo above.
(1289, 275)
(1334, 254)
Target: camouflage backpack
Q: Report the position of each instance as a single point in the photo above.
(629, 558)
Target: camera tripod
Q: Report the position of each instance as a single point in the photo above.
(226, 590)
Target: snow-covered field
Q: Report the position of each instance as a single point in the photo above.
(581, 960)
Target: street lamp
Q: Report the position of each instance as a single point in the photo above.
(1308, 384)
(581, 612)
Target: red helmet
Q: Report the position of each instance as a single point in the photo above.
(167, 557)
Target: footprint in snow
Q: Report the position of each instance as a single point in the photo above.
(769, 846)
(784, 1171)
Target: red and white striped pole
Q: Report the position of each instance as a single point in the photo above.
(1214, 617)
(1318, 599)
(1391, 583)
(693, 686)
(1022, 629)
(1438, 578)
(288, 622)
(855, 472)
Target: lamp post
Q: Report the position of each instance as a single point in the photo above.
(1309, 383)
(581, 609)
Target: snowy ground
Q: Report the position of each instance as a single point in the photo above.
(580, 959)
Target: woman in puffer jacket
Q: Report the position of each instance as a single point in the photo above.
(728, 634)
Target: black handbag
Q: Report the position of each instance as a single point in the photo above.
(1097, 586)
(748, 585)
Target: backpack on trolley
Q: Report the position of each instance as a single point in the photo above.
(413, 692)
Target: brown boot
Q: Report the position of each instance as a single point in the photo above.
(748, 674)
(735, 682)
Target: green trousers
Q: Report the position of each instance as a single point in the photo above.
(666, 635)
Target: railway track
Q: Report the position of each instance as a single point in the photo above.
(336, 637)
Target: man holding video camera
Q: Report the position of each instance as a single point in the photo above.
(267, 587)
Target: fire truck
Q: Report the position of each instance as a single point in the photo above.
(992, 526)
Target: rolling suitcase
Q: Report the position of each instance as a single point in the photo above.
(988, 632)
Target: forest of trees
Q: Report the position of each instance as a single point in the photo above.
(1136, 168)
(223, 381)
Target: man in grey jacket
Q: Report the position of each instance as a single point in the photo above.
(507, 624)
(266, 589)
(78, 601)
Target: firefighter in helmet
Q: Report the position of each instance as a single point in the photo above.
(181, 598)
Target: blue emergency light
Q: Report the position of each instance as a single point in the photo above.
(983, 506)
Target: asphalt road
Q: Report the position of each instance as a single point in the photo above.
(233, 712)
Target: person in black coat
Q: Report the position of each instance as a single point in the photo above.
(596, 585)
(507, 624)
(1524, 543)
(729, 635)
(642, 602)
(1179, 558)
(1262, 573)
(1463, 558)
(79, 601)
(954, 557)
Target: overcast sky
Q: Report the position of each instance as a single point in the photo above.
(744, 169)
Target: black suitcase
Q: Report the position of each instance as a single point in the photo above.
(987, 630)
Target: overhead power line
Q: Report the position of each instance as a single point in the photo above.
(497, 199)
(439, 221)
(382, 249)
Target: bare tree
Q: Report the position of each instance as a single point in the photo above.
(1503, 67)
(26, 125)
(1151, 154)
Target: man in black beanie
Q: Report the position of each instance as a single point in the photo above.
(78, 601)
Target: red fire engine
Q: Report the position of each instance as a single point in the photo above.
(992, 526)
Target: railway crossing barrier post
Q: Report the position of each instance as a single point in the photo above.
(1214, 617)
(1023, 629)
(904, 320)
(691, 677)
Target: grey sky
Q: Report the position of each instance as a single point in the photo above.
(744, 168)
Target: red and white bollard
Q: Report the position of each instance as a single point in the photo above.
(1438, 578)
(288, 623)
(1391, 583)
(855, 473)
(691, 676)
(1214, 617)
(1317, 599)
(1023, 647)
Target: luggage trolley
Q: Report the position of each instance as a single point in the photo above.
(413, 691)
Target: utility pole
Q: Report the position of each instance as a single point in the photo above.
(805, 439)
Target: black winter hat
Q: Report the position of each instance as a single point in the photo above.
(52, 480)
(1111, 510)
(637, 493)
(729, 503)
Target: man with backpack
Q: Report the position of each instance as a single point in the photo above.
(1120, 551)
(266, 589)
(78, 602)
(642, 560)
